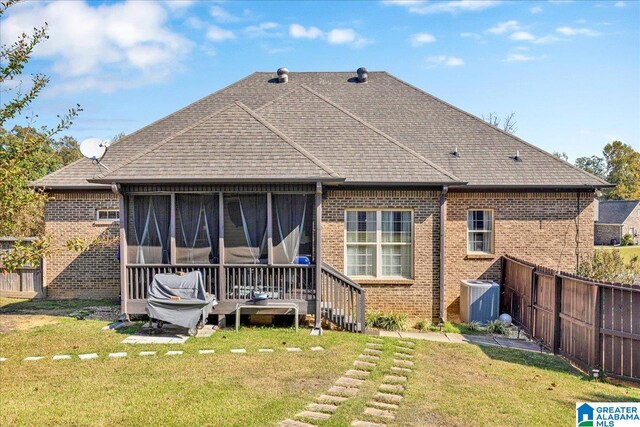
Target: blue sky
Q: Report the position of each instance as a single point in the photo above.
(570, 70)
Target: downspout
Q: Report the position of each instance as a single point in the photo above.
(317, 330)
(122, 224)
(443, 223)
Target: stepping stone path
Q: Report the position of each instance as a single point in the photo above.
(344, 388)
(88, 356)
(318, 348)
(206, 351)
(2, 359)
(265, 350)
(61, 357)
(293, 349)
(173, 353)
(32, 358)
(385, 403)
(238, 350)
(147, 353)
(117, 355)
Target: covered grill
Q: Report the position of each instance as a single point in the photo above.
(180, 300)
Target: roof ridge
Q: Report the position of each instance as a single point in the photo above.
(384, 135)
(288, 140)
(494, 127)
(164, 141)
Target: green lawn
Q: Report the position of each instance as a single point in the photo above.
(627, 252)
(453, 384)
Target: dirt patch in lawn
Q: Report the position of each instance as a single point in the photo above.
(21, 322)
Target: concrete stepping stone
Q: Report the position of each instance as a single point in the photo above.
(402, 362)
(376, 339)
(363, 364)
(358, 423)
(374, 345)
(313, 415)
(317, 348)
(368, 357)
(117, 355)
(405, 350)
(2, 359)
(403, 355)
(343, 391)
(173, 353)
(62, 357)
(238, 350)
(293, 349)
(321, 407)
(398, 369)
(32, 358)
(207, 351)
(383, 405)
(349, 382)
(388, 397)
(372, 351)
(294, 423)
(391, 388)
(265, 350)
(356, 373)
(380, 413)
(88, 356)
(327, 398)
(394, 379)
(407, 343)
(147, 353)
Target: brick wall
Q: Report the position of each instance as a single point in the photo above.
(551, 229)
(604, 233)
(633, 222)
(418, 297)
(94, 273)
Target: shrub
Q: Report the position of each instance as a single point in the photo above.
(627, 240)
(609, 266)
(386, 321)
(497, 327)
(423, 325)
(473, 326)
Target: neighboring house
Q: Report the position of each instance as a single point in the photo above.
(615, 219)
(414, 195)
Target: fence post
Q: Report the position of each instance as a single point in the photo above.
(503, 303)
(597, 320)
(532, 325)
(557, 329)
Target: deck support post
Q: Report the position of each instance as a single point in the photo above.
(443, 224)
(172, 231)
(318, 272)
(122, 226)
(222, 282)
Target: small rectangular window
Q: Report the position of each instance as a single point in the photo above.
(480, 231)
(107, 215)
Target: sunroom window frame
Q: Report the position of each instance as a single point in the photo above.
(492, 232)
(379, 244)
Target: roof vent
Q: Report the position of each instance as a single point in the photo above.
(363, 75)
(517, 156)
(283, 75)
(455, 152)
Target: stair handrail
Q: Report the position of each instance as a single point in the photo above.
(329, 269)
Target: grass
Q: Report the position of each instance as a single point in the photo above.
(452, 384)
(450, 328)
(626, 252)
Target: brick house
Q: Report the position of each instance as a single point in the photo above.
(614, 219)
(394, 195)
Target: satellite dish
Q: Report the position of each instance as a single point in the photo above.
(93, 149)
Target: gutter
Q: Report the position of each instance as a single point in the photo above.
(151, 181)
(443, 227)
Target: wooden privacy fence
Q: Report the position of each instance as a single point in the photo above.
(594, 324)
(25, 282)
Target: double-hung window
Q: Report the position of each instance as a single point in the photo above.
(379, 243)
(480, 231)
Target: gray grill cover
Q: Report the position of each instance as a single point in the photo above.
(194, 304)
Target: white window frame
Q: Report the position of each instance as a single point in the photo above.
(379, 243)
(492, 240)
(98, 219)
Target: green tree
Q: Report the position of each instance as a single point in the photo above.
(623, 164)
(67, 149)
(594, 165)
(561, 155)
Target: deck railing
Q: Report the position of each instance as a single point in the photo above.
(343, 301)
(139, 276)
(290, 282)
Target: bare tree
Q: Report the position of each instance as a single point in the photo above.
(507, 123)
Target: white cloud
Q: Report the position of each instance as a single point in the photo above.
(504, 27)
(448, 61)
(222, 16)
(426, 8)
(522, 36)
(217, 34)
(419, 39)
(105, 48)
(620, 4)
(470, 35)
(178, 4)
(535, 10)
(346, 36)
(570, 31)
(519, 57)
(264, 29)
(298, 31)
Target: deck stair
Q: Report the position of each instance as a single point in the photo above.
(342, 300)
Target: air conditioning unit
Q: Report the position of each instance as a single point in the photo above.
(479, 301)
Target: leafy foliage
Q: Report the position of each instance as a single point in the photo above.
(386, 321)
(497, 327)
(623, 163)
(561, 155)
(594, 165)
(627, 240)
(25, 253)
(609, 266)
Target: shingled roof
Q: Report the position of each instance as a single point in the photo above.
(324, 126)
(616, 211)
